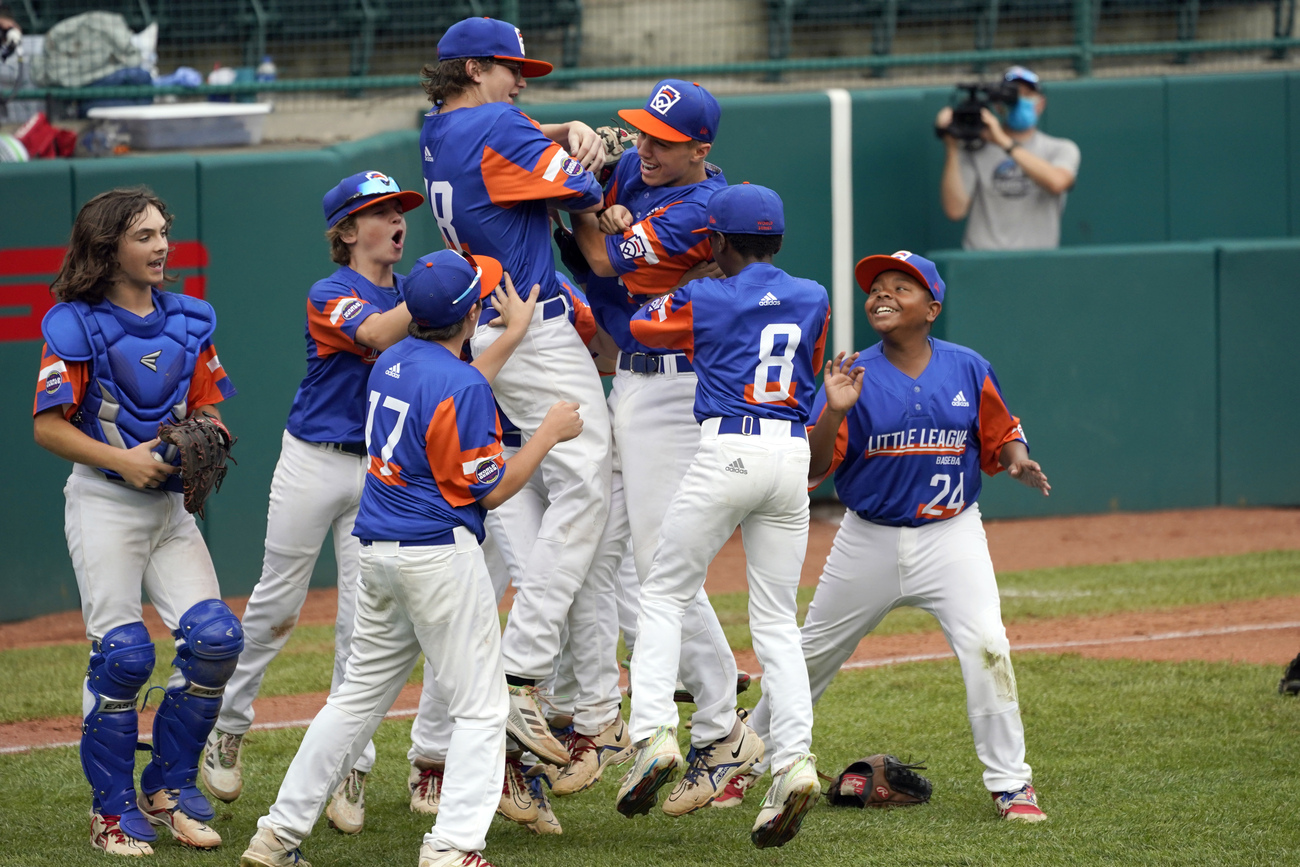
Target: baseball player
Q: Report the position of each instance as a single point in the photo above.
(645, 243)
(122, 356)
(435, 466)
(490, 172)
(907, 456)
(352, 316)
(755, 339)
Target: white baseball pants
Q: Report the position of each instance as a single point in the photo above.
(549, 365)
(943, 568)
(658, 438)
(435, 599)
(120, 539)
(313, 490)
(758, 482)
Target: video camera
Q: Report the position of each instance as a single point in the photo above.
(966, 123)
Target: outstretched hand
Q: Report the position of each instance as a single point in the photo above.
(1029, 474)
(586, 146)
(510, 307)
(843, 382)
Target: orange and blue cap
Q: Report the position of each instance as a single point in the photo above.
(677, 111)
(909, 263)
(363, 190)
(489, 37)
(745, 209)
(443, 286)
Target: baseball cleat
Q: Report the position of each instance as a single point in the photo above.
(1290, 682)
(347, 809)
(106, 834)
(733, 795)
(791, 796)
(653, 763)
(546, 822)
(682, 695)
(425, 783)
(526, 723)
(431, 857)
(1020, 805)
(161, 809)
(589, 757)
(713, 767)
(266, 850)
(517, 803)
(223, 768)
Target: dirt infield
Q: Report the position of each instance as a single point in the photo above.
(1257, 631)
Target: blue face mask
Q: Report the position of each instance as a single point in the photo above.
(1023, 115)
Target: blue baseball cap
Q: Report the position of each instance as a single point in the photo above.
(745, 209)
(443, 286)
(363, 190)
(488, 37)
(909, 263)
(1022, 73)
(677, 111)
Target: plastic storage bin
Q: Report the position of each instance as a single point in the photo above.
(187, 124)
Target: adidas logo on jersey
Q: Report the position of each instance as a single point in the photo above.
(769, 300)
(395, 371)
(960, 400)
(737, 466)
(428, 157)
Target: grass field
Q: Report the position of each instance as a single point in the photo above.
(1135, 762)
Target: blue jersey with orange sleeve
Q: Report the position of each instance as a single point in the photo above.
(910, 451)
(650, 257)
(330, 404)
(435, 446)
(756, 340)
(489, 173)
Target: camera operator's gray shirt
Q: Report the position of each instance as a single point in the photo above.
(1008, 211)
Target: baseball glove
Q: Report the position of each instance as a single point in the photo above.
(879, 781)
(1290, 683)
(204, 445)
(617, 141)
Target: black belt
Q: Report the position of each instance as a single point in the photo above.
(358, 449)
(512, 439)
(650, 362)
(748, 425)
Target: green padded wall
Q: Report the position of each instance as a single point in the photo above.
(1259, 310)
(1119, 126)
(1107, 354)
(1229, 156)
(261, 217)
(1293, 150)
(36, 574)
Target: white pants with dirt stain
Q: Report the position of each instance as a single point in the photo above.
(943, 568)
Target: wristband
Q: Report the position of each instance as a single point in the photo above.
(1014, 145)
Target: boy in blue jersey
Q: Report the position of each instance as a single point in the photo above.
(907, 426)
(434, 467)
(756, 340)
(491, 172)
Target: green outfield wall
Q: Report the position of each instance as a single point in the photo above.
(1147, 374)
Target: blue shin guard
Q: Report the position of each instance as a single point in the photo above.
(208, 644)
(120, 664)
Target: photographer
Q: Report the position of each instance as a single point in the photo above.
(1013, 187)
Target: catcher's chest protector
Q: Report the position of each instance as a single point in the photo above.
(140, 368)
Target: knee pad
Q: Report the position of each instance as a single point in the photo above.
(208, 643)
(120, 663)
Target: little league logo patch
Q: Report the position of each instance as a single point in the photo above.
(487, 472)
(571, 167)
(520, 36)
(665, 99)
(901, 254)
(658, 302)
(632, 248)
(379, 176)
(351, 309)
(53, 382)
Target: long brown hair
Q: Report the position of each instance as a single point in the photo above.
(90, 265)
(450, 78)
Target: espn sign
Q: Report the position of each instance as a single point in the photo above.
(26, 274)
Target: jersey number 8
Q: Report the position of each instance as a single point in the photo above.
(764, 390)
(440, 202)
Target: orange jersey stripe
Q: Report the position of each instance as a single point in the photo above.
(204, 390)
(508, 184)
(997, 427)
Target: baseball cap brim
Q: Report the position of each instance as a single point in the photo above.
(651, 125)
(532, 68)
(492, 271)
(871, 267)
(409, 200)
